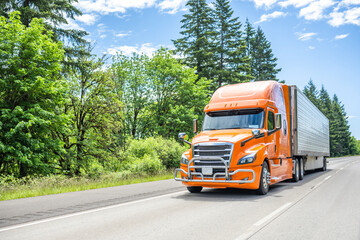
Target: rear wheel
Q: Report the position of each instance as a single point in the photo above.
(296, 175)
(264, 180)
(301, 164)
(194, 189)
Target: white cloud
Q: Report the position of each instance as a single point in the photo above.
(351, 2)
(315, 10)
(88, 19)
(268, 17)
(121, 35)
(351, 16)
(265, 3)
(311, 48)
(103, 36)
(342, 36)
(172, 6)
(295, 3)
(112, 6)
(145, 48)
(337, 12)
(305, 36)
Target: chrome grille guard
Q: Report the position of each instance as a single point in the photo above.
(214, 179)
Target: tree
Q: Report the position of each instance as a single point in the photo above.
(159, 94)
(132, 84)
(231, 62)
(31, 91)
(263, 63)
(195, 46)
(94, 111)
(55, 14)
(175, 98)
(312, 93)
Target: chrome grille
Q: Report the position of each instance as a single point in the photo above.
(223, 150)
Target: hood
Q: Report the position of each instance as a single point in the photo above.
(226, 135)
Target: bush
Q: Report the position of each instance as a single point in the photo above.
(168, 151)
(147, 165)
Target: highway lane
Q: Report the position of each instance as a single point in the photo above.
(322, 206)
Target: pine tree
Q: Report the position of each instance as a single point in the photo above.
(263, 62)
(195, 45)
(231, 61)
(312, 93)
(341, 127)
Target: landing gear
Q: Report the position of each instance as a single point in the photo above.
(324, 165)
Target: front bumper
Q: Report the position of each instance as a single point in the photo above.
(190, 176)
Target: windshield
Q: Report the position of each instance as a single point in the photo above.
(234, 119)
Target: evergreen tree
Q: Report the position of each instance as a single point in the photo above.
(263, 62)
(231, 61)
(341, 145)
(195, 45)
(312, 93)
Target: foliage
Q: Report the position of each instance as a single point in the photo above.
(168, 151)
(94, 111)
(31, 91)
(159, 94)
(231, 62)
(262, 60)
(195, 45)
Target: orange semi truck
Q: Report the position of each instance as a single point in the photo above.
(254, 135)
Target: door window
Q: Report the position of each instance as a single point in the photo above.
(270, 120)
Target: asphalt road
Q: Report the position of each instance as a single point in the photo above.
(322, 206)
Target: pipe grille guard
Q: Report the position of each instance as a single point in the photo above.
(214, 179)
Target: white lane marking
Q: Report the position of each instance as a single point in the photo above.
(85, 212)
(252, 230)
(271, 215)
(317, 185)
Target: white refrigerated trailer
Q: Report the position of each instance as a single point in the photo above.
(310, 132)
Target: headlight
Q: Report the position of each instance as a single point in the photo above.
(184, 159)
(247, 159)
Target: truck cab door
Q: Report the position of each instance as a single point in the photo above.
(273, 147)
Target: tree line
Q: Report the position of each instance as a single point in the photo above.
(64, 110)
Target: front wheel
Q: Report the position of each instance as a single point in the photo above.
(194, 189)
(264, 180)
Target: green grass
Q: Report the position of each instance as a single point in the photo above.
(61, 184)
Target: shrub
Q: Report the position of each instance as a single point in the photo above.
(147, 164)
(168, 151)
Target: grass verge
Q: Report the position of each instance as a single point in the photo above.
(61, 184)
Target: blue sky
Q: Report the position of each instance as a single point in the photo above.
(317, 39)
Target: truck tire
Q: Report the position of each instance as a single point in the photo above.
(264, 184)
(324, 165)
(194, 189)
(302, 171)
(296, 175)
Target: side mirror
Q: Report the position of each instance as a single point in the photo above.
(255, 132)
(278, 120)
(195, 126)
(182, 138)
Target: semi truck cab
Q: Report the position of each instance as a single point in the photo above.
(246, 141)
